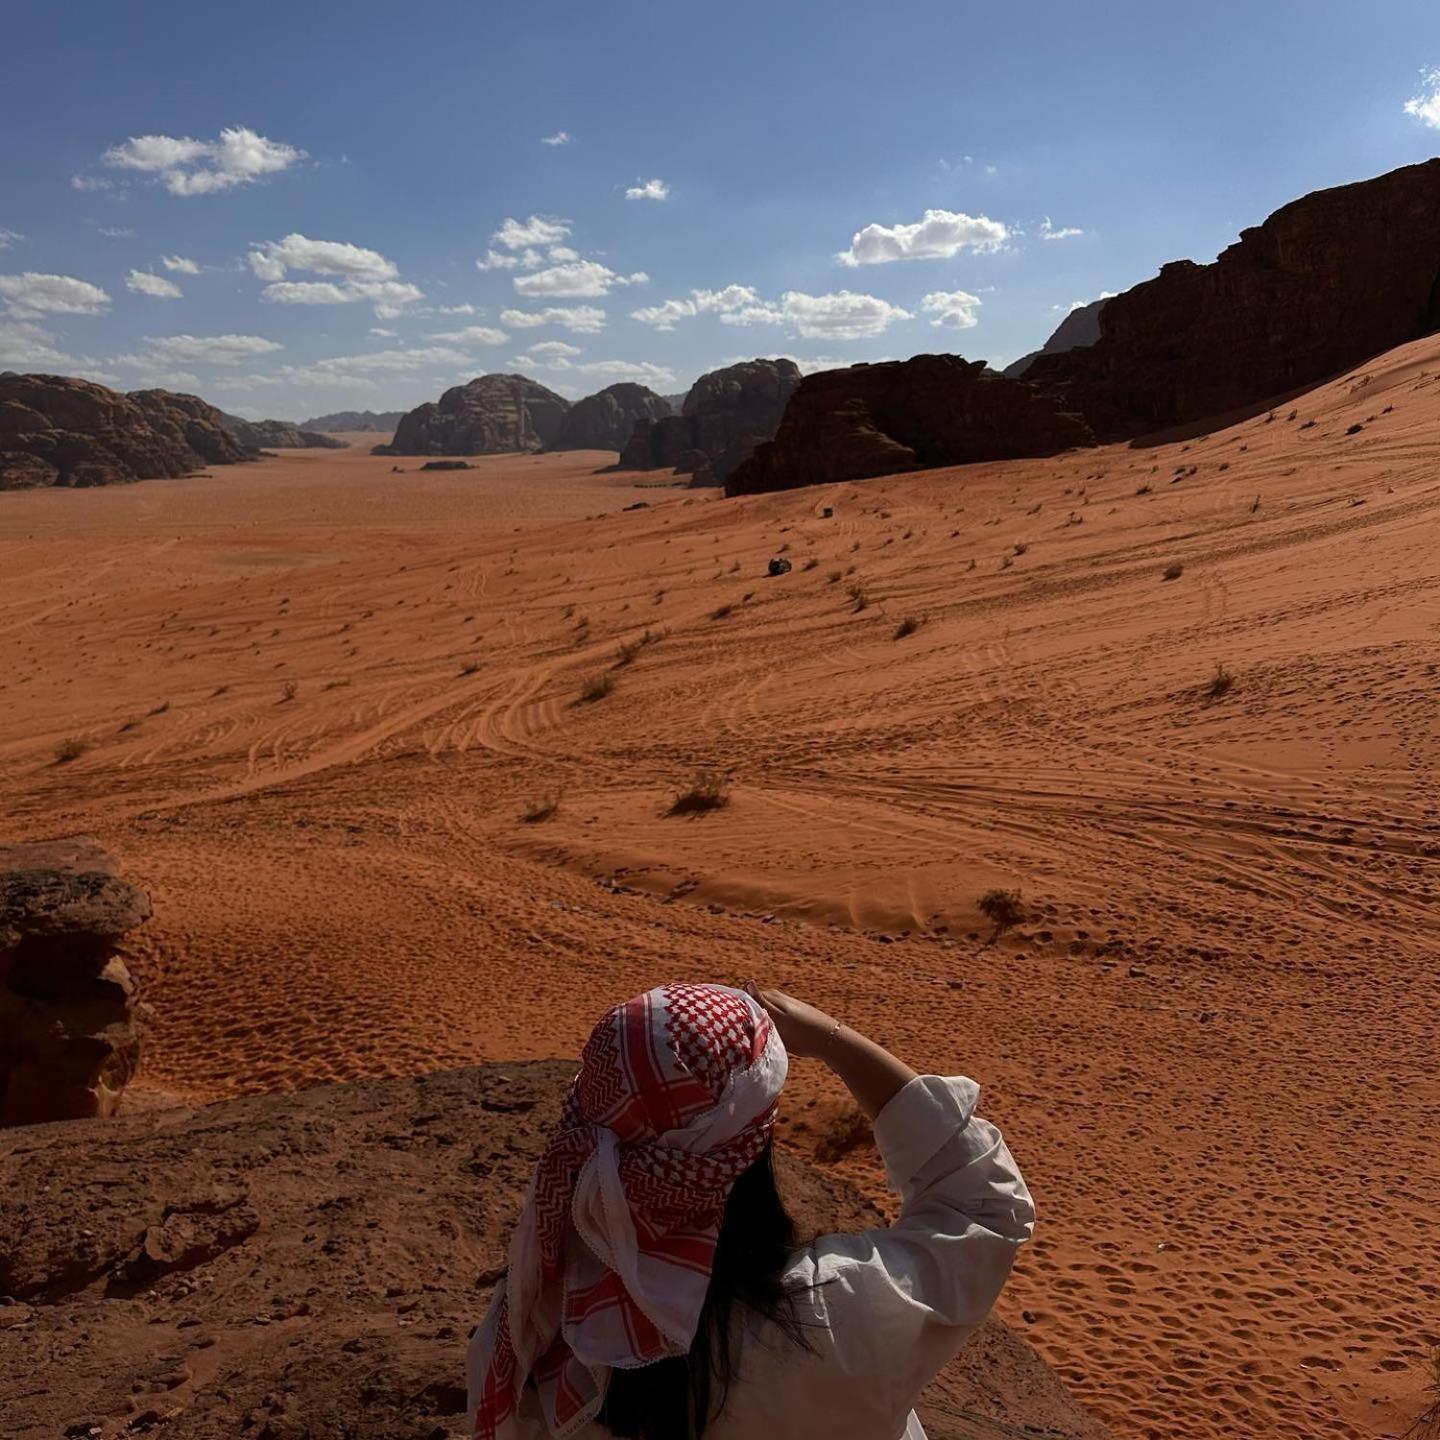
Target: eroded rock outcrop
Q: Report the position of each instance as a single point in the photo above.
(1326, 282)
(905, 415)
(491, 415)
(605, 421)
(1079, 328)
(277, 435)
(383, 420)
(727, 414)
(309, 1266)
(57, 430)
(69, 1027)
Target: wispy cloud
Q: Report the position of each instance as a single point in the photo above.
(143, 282)
(180, 265)
(360, 274)
(1425, 106)
(648, 190)
(560, 137)
(31, 293)
(1052, 232)
(238, 156)
(578, 319)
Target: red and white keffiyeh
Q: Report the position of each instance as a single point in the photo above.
(611, 1258)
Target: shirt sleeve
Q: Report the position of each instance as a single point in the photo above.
(898, 1302)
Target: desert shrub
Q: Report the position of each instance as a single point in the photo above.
(469, 667)
(71, 749)
(908, 626)
(1144, 489)
(1220, 682)
(288, 691)
(1355, 429)
(626, 652)
(721, 611)
(541, 808)
(336, 684)
(707, 790)
(811, 563)
(597, 687)
(1173, 571)
(859, 594)
(1003, 907)
(1021, 547)
(833, 577)
(161, 708)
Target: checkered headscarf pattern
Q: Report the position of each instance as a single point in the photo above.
(611, 1258)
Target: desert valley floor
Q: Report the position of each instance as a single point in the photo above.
(315, 697)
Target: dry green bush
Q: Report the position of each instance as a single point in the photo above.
(541, 808)
(1003, 907)
(597, 687)
(908, 626)
(1220, 682)
(71, 749)
(708, 790)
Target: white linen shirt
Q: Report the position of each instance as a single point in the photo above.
(883, 1310)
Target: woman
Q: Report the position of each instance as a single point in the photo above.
(655, 1290)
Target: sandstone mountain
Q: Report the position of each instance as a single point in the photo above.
(1080, 327)
(277, 435)
(605, 421)
(913, 414)
(491, 415)
(57, 430)
(382, 420)
(726, 415)
(309, 1266)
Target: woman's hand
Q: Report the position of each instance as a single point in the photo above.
(805, 1029)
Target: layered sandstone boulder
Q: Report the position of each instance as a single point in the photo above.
(69, 1022)
(276, 435)
(310, 1266)
(726, 415)
(1326, 282)
(605, 421)
(914, 414)
(57, 430)
(491, 415)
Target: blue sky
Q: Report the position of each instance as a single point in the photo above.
(826, 179)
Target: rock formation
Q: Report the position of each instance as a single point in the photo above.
(904, 415)
(606, 420)
(383, 420)
(69, 1035)
(1080, 327)
(57, 430)
(1326, 282)
(492, 415)
(727, 414)
(309, 1266)
(276, 435)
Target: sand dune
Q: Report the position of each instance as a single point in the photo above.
(1212, 1039)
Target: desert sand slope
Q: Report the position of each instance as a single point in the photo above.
(1212, 1039)
(310, 1266)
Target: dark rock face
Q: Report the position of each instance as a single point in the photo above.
(605, 421)
(276, 435)
(727, 414)
(1079, 328)
(904, 415)
(78, 433)
(493, 415)
(1326, 282)
(309, 1266)
(382, 420)
(69, 1029)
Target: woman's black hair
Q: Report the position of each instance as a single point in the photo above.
(675, 1399)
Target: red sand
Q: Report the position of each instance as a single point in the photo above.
(1212, 1041)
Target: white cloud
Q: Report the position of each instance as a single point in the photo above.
(954, 309)
(202, 349)
(608, 372)
(321, 257)
(179, 264)
(1050, 232)
(1425, 106)
(91, 183)
(8, 238)
(726, 301)
(456, 310)
(811, 365)
(25, 346)
(238, 156)
(1081, 304)
(382, 331)
(537, 230)
(30, 293)
(578, 319)
(560, 137)
(938, 236)
(473, 335)
(142, 282)
(494, 260)
(579, 278)
(550, 348)
(648, 190)
(116, 232)
(562, 253)
(842, 315)
(306, 292)
(368, 371)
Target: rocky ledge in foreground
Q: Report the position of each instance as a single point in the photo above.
(57, 430)
(69, 1022)
(905, 415)
(309, 1266)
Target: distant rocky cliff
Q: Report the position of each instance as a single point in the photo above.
(382, 420)
(1080, 327)
(905, 415)
(491, 415)
(57, 430)
(606, 420)
(727, 414)
(277, 435)
(309, 1267)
